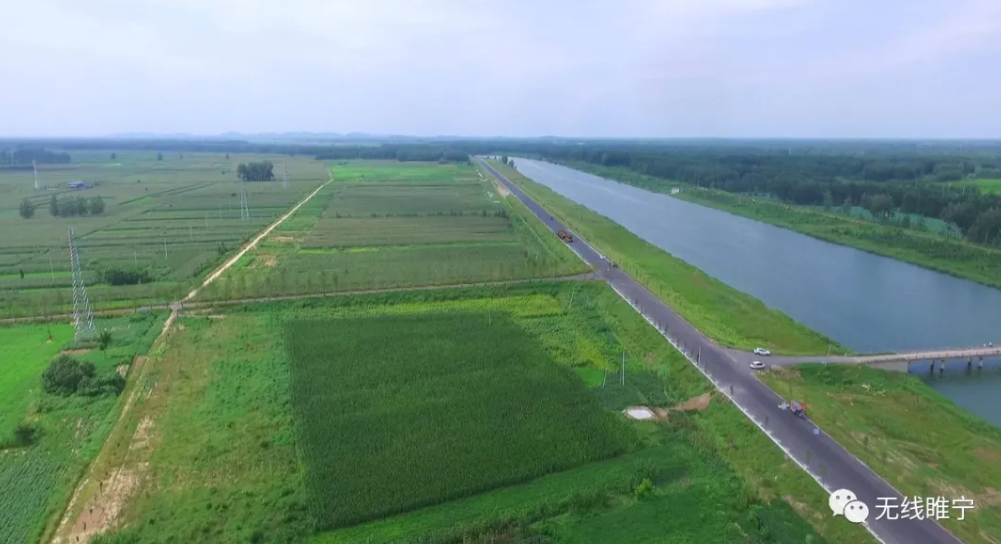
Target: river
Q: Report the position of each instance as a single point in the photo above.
(864, 301)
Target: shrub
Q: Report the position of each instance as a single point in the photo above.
(66, 376)
(126, 276)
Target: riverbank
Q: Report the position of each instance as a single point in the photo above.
(921, 442)
(953, 256)
(723, 313)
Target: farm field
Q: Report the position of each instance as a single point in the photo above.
(65, 431)
(893, 423)
(385, 225)
(173, 218)
(252, 427)
(990, 186)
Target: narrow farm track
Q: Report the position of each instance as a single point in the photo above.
(79, 523)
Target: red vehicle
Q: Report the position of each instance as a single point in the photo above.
(565, 236)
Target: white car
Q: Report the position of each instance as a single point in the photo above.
(757, 365)
(762, 351)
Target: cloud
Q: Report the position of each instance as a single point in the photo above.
(588, 67)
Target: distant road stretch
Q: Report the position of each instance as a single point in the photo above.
(735, 380)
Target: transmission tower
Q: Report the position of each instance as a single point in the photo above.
(34, 168)
(285, 175)
(83, 315)
(244, 208)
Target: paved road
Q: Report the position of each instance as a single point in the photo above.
(795, 436)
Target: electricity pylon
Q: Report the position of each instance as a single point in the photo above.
(83, 315)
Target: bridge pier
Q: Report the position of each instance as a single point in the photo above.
(980, 364)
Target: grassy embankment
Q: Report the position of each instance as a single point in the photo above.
(721, 312)
(37, 478)
(917, 439)
(949, 255)
(224, 446)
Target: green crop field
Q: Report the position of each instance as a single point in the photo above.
(425, 419)
(175, 218)
(36, 479)
(384, 225)
(272, 421)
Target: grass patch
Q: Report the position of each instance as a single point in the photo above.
(914, 437)
(721, 312)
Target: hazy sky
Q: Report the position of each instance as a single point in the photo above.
(739, 68)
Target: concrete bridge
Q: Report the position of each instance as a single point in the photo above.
(888, 361)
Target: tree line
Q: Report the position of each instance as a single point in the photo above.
(918, 184)
(65, 208)
(22, 157)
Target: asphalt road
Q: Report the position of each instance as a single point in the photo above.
(821, 456)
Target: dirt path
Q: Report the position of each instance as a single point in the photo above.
(250, 245)
(99, 508)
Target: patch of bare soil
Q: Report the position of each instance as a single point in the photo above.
(501, 189)
(122, 370)
(141, 439)
(216, 316)
(269, 260)
(102, 510)
(698, 403)
(74, 351)
(281, 239)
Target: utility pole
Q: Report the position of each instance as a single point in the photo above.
(52, 270)
(165, 248)
(83, 315)
(34, 168)
(285, 175)
(623, 381)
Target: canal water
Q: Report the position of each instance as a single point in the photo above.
(864, 301)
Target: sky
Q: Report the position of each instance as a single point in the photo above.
(578, 68)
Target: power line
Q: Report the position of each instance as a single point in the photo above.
(83, 314)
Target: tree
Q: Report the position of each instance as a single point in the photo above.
(879, 205)
(26, 209)
(54, 206)
(64, 375)
(96, 206)
(256, 171)
(227, 156)
(846, 206)
(828, 199)
(114, 156)
(104, 340)
(159, 156)
(21, 271)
